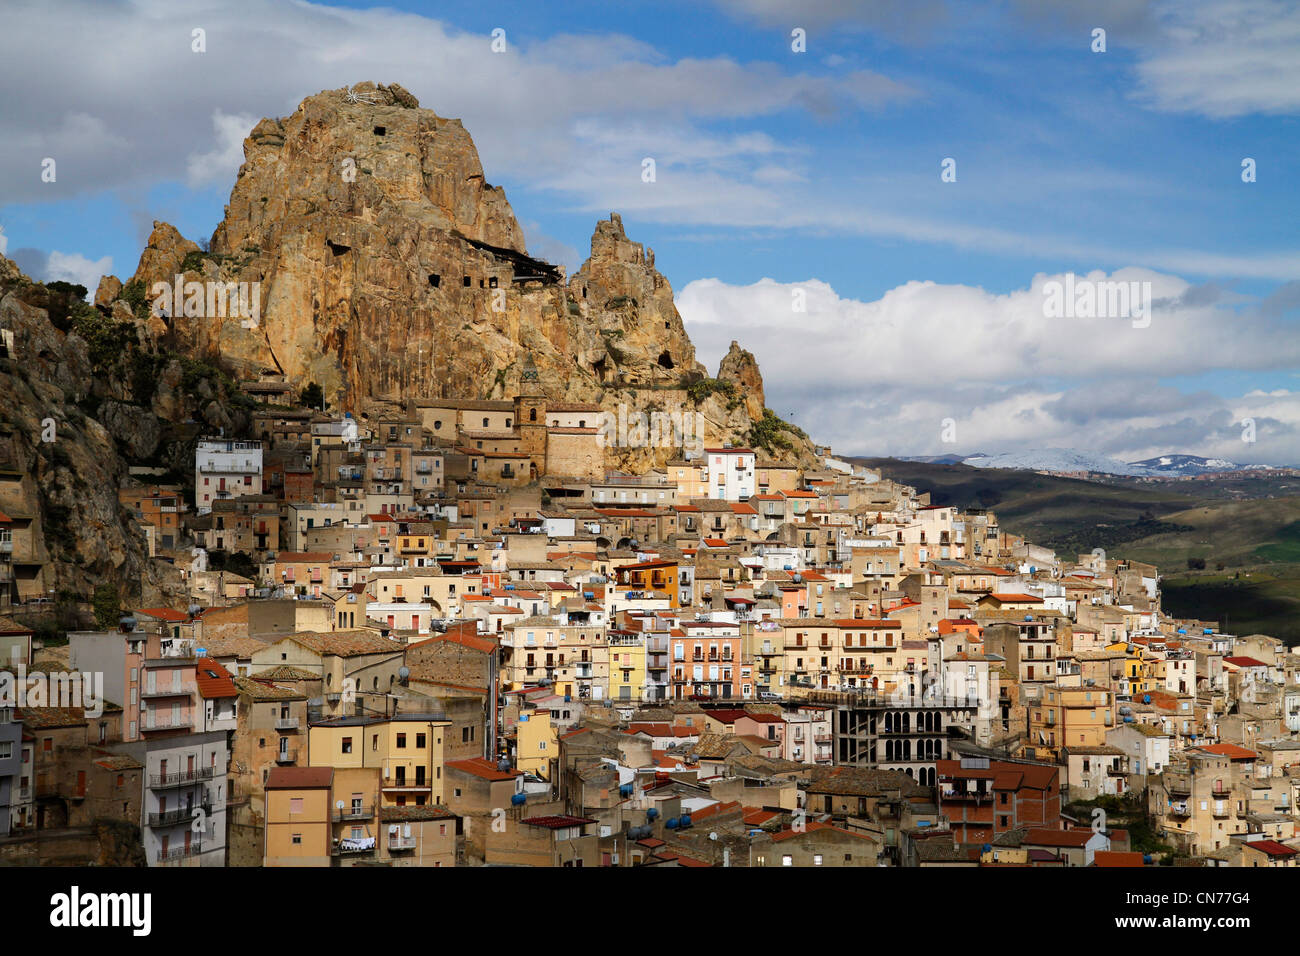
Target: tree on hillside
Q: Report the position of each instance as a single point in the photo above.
(107, 606)
(312, 397)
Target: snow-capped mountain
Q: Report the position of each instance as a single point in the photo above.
(1060, 459)
(1068, 459)
(1189, 465)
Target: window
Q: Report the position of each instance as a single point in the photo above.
(787, 860)
(297, 839)
(295, 804)
(347, 745)
(817, 859)
(420, 740)
(401, 741)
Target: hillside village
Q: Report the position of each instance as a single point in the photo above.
(450, 635)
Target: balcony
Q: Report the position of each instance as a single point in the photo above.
(1180, 810)
(173, 690)
(967, 796)
(169, 818)
(398, 842)
(286, 723)
(401, 783)
(352, 849)
(154, 722)
(6, 546)
(181, 778)
(181, 853)
(286, 756)
(354, 812)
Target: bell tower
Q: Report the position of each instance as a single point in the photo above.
(530, 416)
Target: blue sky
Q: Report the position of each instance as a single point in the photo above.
(816, 170)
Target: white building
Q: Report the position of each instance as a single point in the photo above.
(731, 473)
(226, 469)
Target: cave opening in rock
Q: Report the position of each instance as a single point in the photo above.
(434, 279)
(468, 281)
(381, 130)
(665, 360)
(337, 247)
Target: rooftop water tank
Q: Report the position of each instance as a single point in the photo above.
(519, 799)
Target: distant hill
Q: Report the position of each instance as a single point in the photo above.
(1072, 460)
(1176, 465)
(1058, 459)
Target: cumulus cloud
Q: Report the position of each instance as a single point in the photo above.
(221, 162)
(881, 377)
(76, 268)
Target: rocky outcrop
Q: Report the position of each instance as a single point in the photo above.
(64, 464)
(386, 267)
(740, 368)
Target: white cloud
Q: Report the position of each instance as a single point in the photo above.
(880, 377)
(1225, 58)
(221, 162)
(76, 268)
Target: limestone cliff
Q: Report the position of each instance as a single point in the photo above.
(387, 268)
(66, 432)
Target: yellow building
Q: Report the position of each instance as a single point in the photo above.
(536, 743)
(297, 816)
(1070, 717)
(627, 665)
(407, 749)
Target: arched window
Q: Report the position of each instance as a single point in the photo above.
(532, 414)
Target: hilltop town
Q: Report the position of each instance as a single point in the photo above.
(449, 636)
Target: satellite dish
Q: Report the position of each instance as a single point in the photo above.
(713, 835)
(339, 805)
(403, 672)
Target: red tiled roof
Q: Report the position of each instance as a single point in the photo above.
(1231, 751)
(300, 778)
(1272, 848)
(483, 768)
(214, 680)
(162, 613)
(558, 822)
(1040, 836)
(1244, 662)
(1116, 858)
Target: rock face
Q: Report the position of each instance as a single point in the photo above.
(740, 368)
(62, 467)
(386, 267)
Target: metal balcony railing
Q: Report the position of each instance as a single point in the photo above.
(286, 723)
(363, 812)
(180, 778)
(181, 853)
(168, 818)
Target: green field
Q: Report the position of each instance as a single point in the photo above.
(1246, 531)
